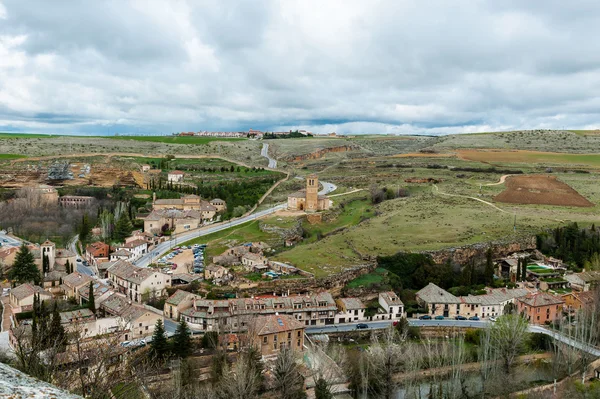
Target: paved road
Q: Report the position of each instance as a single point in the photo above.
(72, 245)
(375, 325)
(160, 249)
(10, 241)
(327, 187)
(265, 153)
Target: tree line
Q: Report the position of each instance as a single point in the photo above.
(574, 245)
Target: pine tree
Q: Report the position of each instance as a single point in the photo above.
(24, 269)
(91, 301)
(322, 390)
(159, 346)
(123, 227)
(181, 340)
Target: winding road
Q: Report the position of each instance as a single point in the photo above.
(265, 153)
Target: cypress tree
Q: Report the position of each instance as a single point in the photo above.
(57, 331)
(518, 269)
(159, 346)
(181, 340)
(24, 269)
(91, 301)
(68, 267)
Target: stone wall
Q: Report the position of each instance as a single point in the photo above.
(333, 283)
(462, 255)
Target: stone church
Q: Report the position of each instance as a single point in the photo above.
(309, 200)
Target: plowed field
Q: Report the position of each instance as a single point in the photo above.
(541, 190)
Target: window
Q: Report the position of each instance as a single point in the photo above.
(299, 334)
(289, 335)
(140, 324)
(265, 340)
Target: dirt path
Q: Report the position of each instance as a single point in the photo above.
(437, 190)
(502, 179)
(349, 192)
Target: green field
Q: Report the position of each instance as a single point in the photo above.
(11, 156)
(173, 139)
(367, 280)
(26, 136)
(218, 242)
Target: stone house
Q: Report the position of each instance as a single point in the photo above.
(71, 284)
(251, 261)
(540, 307)
(491, 304)
(349, 310)
(391, 304)
(137, 247)
(172, 219)
(138, 283)
(583, 281)
(121, 254)
(438, 302)
(276, 332)
(577, 300)
(97, 252)
(213, 272)
(219, 204)
(177, 302)
(21, 297)
(136, 320)
(175, 176)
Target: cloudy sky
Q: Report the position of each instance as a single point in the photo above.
(148, 66)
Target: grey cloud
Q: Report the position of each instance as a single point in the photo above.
(391, 66)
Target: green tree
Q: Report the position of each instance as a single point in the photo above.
(68, 267)
(57, 331)
(182, 344)
(85, 228)
(523, 269)
(322, 389)
(24, 269)
(91, 300)
(123, 227)
(518, 269)
(159, 346)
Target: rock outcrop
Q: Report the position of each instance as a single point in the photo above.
(15, 384)
(319, 153)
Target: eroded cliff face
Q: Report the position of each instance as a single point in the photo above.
(319, 153)
(462, 255)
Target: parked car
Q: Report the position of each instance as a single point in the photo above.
(78, 259)
(474, 318)
(492, 318)
(459, 317)
(361, 326)
(439, 317)
(425, 317)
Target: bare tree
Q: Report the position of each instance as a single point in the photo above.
(508, 336)
(239, 382)
(288, 380)
(384, 358)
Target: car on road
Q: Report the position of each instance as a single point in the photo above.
(439, 317)
(474, 318)
(459, 317)
(4, 240)
(361, 326)
(78, 260)
(425, 317)
(492, 318)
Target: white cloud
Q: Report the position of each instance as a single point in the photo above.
(346, 66)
